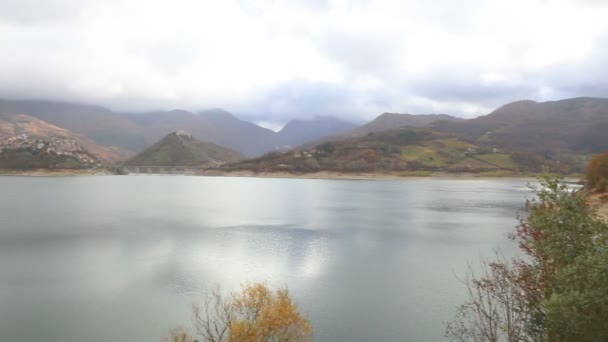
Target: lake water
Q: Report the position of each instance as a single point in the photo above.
(122, 258)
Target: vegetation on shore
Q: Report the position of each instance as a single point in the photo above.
(256, 313)
(558, 291)
(597, 174)
(405, 150)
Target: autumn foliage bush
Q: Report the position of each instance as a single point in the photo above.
(254, 314)
(597, 173)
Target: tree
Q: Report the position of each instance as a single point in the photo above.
(558, 292)
(254, 314)
(494, 309)
(568, 246)
(326, 148)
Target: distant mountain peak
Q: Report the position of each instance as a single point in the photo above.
(298, 131)
(180, 111)
(216, 113)
(388, 121)
(181, 149)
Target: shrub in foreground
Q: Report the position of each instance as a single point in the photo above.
(256, 313)
(557, 292)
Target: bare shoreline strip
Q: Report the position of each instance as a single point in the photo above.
(362, 176)
(54, 172)
(316, 175)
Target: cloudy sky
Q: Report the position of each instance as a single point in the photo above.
(272, 60)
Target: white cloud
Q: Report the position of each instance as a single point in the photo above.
(273, 60)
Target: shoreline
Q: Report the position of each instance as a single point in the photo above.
(329, 175)
(362, 175)
(54, 173)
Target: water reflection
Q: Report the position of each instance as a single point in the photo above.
(122, 258)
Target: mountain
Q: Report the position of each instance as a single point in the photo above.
(181, 149)
(383, 122)
(135, 131)
(132, 132)
(221, 127)
(217, 126)
(550, 129)
(29, 143)
(405, 149)
(99, 124)
(390, 121)
(298, 132)
(576, 125)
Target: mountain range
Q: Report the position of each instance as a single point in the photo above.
(133, 132)
(537, 132)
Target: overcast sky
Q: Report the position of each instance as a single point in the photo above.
(275, 60)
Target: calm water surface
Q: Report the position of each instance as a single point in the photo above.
(123, 258)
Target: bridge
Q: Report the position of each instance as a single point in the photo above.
(160, 170)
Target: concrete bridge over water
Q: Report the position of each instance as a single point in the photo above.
(160, 170)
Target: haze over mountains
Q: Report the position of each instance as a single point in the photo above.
(133, 132)
(553, 130)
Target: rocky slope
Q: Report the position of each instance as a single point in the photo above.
(29, 143)
(100, 125)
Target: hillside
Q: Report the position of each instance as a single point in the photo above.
(390, 121)
(29, 143)
(98, 124)
(181, 149)
(406, 149)
(549, 128)
(383, 122)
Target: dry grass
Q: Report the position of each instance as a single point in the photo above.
(600, 201)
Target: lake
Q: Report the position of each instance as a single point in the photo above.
(122, 258)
